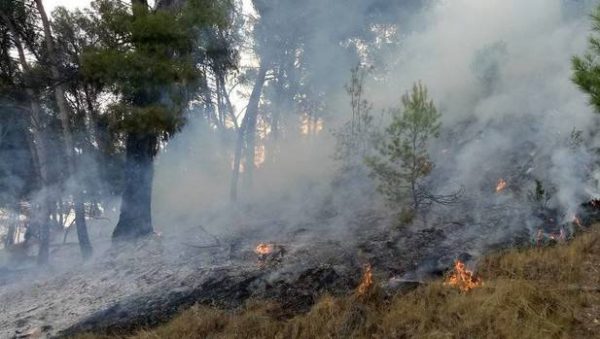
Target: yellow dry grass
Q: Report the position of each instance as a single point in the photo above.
(550, 292)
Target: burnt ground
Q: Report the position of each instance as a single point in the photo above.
(145, 284)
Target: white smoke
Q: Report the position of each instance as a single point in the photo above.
(498, 70)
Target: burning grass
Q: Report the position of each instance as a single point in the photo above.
(501, 185)
(550, 292)
(366, 282)
(462, 278)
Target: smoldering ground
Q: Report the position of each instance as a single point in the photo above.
(500, 74)
(499, 71)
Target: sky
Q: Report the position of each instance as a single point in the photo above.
(51, 4)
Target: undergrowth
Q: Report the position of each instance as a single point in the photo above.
(550, 292)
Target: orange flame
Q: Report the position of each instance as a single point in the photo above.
(501, 185)
(560, 237)
(539, 237)
(263, 249)
(462, 278)
(577, 221)
(367, 280)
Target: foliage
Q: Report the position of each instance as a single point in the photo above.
(539, 195)
(355, 139)
(586, 68)
(403, 161)
(146, 59)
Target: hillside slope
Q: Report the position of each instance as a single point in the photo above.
(542, 292)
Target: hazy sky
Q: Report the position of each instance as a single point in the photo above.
(50, 4)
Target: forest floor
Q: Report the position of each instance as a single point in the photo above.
(541, 292)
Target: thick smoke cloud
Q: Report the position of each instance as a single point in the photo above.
(498, 70)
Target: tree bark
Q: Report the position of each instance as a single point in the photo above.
(64, 116)
(237, 159)
(42, 216)
(247, 131)
(252, 113)
(227, 99)
(10, 234)
(135, 220)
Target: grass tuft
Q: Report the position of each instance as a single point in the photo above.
(550, 292)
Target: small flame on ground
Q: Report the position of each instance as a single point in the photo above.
(462, 278)
(263, 249)
(367, 280)
(501, 185)
(576, 221)
(560, 237)
(542, 237)
(539, 237)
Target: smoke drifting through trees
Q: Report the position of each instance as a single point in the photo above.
(504, 92)
(216, 132)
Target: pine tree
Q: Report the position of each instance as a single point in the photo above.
(146, 60)
(402, 160)
(586, 68)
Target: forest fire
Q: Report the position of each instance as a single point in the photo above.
(577, 221)
(501, 185)
(284, 162)
(542, 238)
(269, 254)
(462, 278)
(560, 237)
(366, 281)
(263, 249)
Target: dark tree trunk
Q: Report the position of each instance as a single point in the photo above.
(237, 159)
(227, 100)
(44, 236)
(10, 234)
(64, 117)
(247, 131)
(41, 216)
(252, 113)
(82, 234)
(135, 220)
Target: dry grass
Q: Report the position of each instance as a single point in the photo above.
(531, 293)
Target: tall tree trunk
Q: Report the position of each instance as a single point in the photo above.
(280, 105)
(135, 220)
(225, 96)
(252, 113)
(41, 216)
(12, 227)
(237, 160)
(247, 132)
(220, 104)
(64, 116)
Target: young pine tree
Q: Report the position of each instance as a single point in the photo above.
(355, 138)
(586, 68)
(402, 160)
